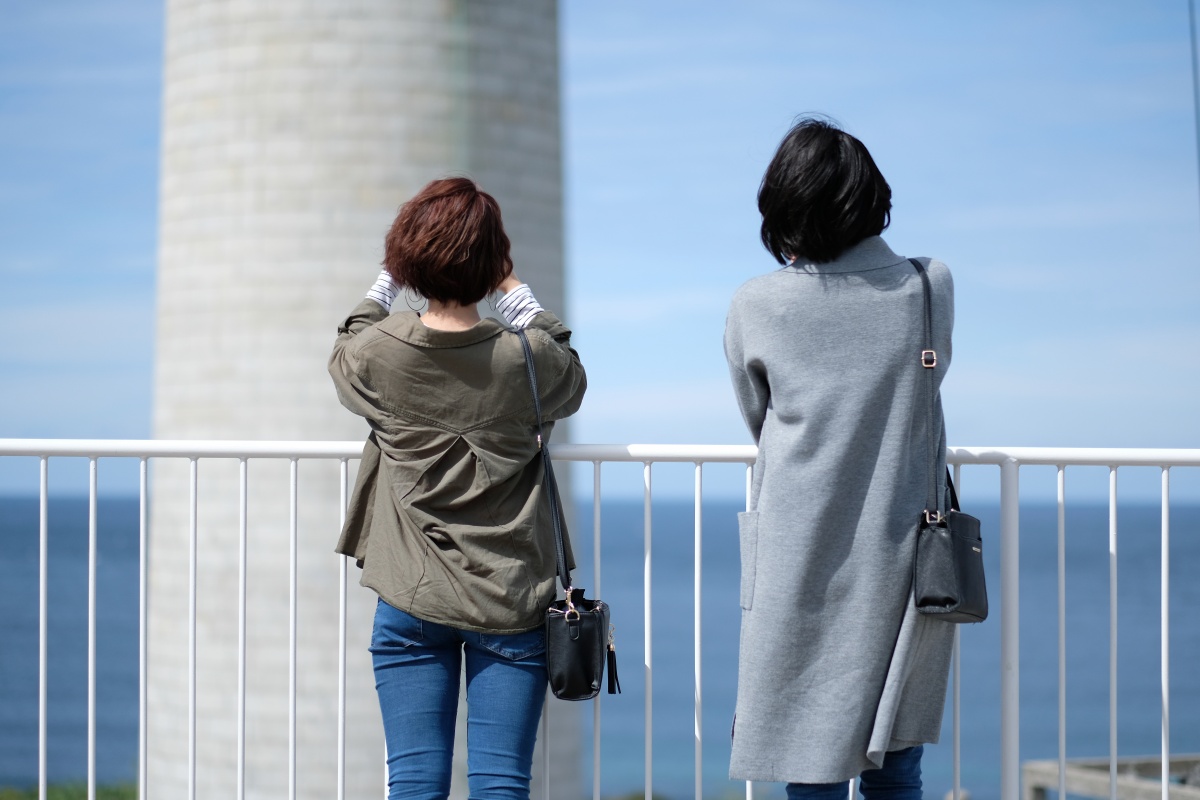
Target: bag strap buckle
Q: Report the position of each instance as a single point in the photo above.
(934, 517)
(572, 613)
(928, 359)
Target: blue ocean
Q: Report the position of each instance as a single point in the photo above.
(623, 738)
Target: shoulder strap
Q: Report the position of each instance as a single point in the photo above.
(928, 362)
(549, 484)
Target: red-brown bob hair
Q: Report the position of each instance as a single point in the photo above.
(448, 243)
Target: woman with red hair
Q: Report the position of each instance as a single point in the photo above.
(449, 519)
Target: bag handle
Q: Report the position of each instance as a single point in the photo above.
(549, 482)
(928, 362)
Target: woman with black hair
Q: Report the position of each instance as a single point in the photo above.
(838, 676)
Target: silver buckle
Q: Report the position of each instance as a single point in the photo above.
(934, 517)
(571, 609)
(928, 359)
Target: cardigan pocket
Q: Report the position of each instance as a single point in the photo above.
(748, 538)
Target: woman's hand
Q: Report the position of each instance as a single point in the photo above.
(509, 283)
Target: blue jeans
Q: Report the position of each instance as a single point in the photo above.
(898, 779)
(417, 671)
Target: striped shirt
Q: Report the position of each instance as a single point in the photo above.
(519, 306)
(384, 291)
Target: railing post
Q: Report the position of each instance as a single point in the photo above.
(243, 531)
(749, 498)
(1010, 674)
(193, 538)
(1062, 631)
(596, 583)
(1165, 632)
(143, 622)
(697, 598)
(343, 565)
(43, 619)
(93, 491)
(293, 603)
(1112, 633)
(646, 621)
(956, 671)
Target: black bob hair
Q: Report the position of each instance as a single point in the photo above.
(821, 194)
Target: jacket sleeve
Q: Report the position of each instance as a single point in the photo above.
(346, 367)
(748, 373)
(561, 394)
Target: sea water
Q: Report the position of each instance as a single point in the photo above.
(67, 640)
(672, 654)
(1087, 643)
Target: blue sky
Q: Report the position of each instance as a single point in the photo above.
(1044, 150)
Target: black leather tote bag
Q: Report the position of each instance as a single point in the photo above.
(948, 580)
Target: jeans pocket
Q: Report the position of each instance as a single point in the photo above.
(515, 646)
(748, 539)
(394, 629)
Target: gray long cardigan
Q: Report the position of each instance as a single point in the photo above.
(835, 666)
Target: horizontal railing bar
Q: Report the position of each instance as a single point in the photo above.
(210, 448)
(1077, 456)
(633, 453)
(684, 453)
(178, 448)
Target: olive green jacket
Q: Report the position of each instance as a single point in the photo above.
(448, 518)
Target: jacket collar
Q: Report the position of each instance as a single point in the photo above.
(407, 327)
(869, 254)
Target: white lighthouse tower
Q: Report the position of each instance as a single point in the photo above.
(292, 132)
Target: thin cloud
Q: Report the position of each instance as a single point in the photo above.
(69, 333)
(78, 78)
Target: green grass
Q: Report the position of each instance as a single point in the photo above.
(72, 791)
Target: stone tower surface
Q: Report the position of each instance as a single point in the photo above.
(292, 132)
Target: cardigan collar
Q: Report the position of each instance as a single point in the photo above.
(869, 254)
(407, 327)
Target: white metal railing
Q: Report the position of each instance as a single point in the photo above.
(1009, 460)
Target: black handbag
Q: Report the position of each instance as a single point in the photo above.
(948, 581)
(579, 637)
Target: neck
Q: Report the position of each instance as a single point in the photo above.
(450, 316)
